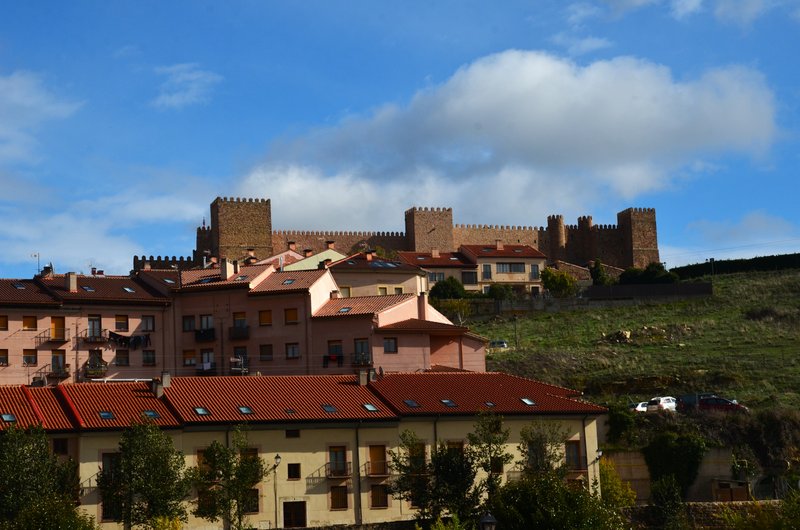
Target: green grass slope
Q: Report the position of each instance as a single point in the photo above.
(744, 343)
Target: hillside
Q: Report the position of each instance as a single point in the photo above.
(743, 343)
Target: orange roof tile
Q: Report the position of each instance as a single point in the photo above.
(53, 414)
(103, 289)
(210, 278)
(446, 260)
(416, 325)
(273, 399)
(24, 292)
(508, 251)
(361, 305)
(360, 262)
(288, 281)
(469, 392)
(16, 408)
(126, 403)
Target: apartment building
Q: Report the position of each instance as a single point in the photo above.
(327, 439)
(367, 274)
(221, 320)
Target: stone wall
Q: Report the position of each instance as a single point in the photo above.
(241, 225)
(342, 241)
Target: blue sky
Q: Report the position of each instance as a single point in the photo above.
(121, 121)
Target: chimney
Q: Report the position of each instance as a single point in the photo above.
(330, 244)
(147, 266)
(292, 246)
(498, 243)
(335, 294)
(363, 378)
(308, 252)
(324, 264)
(251, 253)
(225, 269)
(435, 253)
(236, 267)
(71, 282)
(422, 305)
(47, 271)
(165, 379)
(369, 255)
(94, 271)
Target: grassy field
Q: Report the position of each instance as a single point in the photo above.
(743, 343)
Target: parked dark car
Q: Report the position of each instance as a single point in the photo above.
(688, 402)
(720, 404)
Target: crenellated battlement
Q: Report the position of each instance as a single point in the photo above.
(428, 209)
(163, 262)
(241, 200)
(558, 218)
(334, 233)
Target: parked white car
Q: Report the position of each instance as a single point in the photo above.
(639, 407)
(662, 403)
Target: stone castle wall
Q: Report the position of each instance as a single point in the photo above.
(344, 242)
(239, 226)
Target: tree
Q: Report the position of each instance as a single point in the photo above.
(225, 481)
(458, 310)
(487, 442)
(500, 292)
(541, 446)
(677, 455)
(147, 481)
(37, 490)
(653, 273)
(615, 492)
(448, 289)
(599, 274)
(561, 284)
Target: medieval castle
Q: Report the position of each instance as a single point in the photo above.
(242, 228)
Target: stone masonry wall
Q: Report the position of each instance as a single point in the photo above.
(343, 241)
(239, 225)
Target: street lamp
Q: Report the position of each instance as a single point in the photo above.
(487, 522)
(275, 485)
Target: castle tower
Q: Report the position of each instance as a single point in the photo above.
(239, 226)
(557, 236)
(430, 228)
(638, 227)
(588, 241)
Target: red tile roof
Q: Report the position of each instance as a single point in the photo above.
(471, 391)
(48, 404)
(127, 403)
(211, 279)
(508, 251)
(273, 399)
(361, 305)
(288, 282)
(416, 325)
(361, 262)
(103, 289)
(447, 260)
(14, 400)
(30, 293)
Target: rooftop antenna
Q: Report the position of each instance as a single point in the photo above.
(38, 267)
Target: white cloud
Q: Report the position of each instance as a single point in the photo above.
(514, 127)
(25, 104)
(741, 12)
(186, 84)
(579, 12)
(683, 8)
(580, 45)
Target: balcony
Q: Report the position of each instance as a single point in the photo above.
(362, 359)
(332, 360)
(377, 468)
(59, 335)
(205, 335)
(93, 336)
(95, 369)
(207, 369)
(338, 469)
(59, 372)
(239, 332)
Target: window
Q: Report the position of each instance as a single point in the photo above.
(240, 354)
(572, 454)
(456, 446)
(30, 357)
(292, 350)
(327, 407)
(534, 271)
(390, 345)
(469, 277)
(95, 326)
(243, 409)
(293, 471)
(509, 268)
(344, 292)
(202, 411)
(335, 353)
(528, 401)
(398, 290)
(496, 465)
(265, 352)
(29, 323)
(377, 460)
(129, 289)
(87, 288)
(106, 414)
(379, 496)
(148, 323)
(60, 446)
(240, 319)
(434, 277)
(148, 357)
(265, 317)
(293, 433)
(153, 415)
(337, 458)
(487, 271)
(250, 501)
(8, 417)
(370, 407)
(3, 322)
(95, 358)
(112, 511)
(449, 403)
(3, 357)
(361, 346)
(58, 360)
(206, 322)
(338, 497)
(188, 322)
(120, 322)
(383, 291)
(207, 357)
(290, 315)
(189, 357)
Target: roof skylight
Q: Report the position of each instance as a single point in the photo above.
(288, 281)
(202, 411)
(87, 288)
(327, 407)
(8, 418)
(370, 407)
(153, 415)
(106, 415)
(288, 411)
(449, 403)
(411, 403)
(18, 285)
(129, 289)
(528, 401)
(345, 309)
(205, 280)
(489, 403)
(241, 278)
(169, 281)
(245, 410)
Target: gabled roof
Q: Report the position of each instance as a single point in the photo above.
(48, 405)
(274, 399)
(312, 262)
(363, 262)
(211, 278)
(102, 289)
(445, 260)
(475, 252)
(428, 393)
(288, 282)
(25, 292)
(428, 326)
(101, 406)
(17, 408)
(286, 257)
(361, 305)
